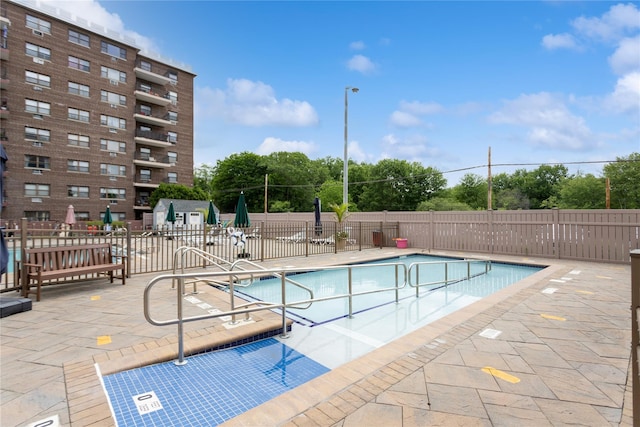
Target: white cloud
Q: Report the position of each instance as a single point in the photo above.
(626, 95)
(626, 58)
(361, 64)
(274, 145)
(413, 148)
(93, 12)
(357, 153)
(359, 45)
(403, 119)
(250, 103)
(559, 41)
(614, 24)
(408, 115)
(548, 121)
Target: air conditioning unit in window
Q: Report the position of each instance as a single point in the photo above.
(174, 103)
(38, 88)
(36, 200)
(38, 61)
(37, 116)
(113, 178)
(36, 144)
(113, 154)
(113, 105)
(113, 202)
(114, 59)
(37, 172)
(112, 130)
(37, 33)
(113, 82)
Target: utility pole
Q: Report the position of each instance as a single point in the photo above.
(489, 184)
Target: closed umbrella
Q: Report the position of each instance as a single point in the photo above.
(316, 211)
(70, 219)
(211, 215)
(242, 214)
(171, 217)
(107, 219)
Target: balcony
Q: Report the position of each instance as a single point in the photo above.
(146, 160)
(144, 181)
(4, 79)
(153, 139)
(145, 117)
(142, 205)
(151, 75)
(151, 97)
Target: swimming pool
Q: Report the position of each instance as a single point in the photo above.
(220, 385)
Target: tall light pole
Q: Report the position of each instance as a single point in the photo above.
(345, 171)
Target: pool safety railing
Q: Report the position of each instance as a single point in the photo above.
(244, 280)
(402, 274)
(448, 272)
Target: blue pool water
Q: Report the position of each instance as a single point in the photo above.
(211, 388)
(378, 276)
(217, 386)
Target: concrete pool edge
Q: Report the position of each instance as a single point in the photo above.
(383, 367)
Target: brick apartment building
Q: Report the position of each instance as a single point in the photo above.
(87, 118)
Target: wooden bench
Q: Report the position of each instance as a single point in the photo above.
(45, 264)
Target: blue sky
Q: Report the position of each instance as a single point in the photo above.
(440, 82)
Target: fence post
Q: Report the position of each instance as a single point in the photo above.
(430, 231)
(635, 339)
(490, 234)
(127, 230)
(556, 233)
(23, 249)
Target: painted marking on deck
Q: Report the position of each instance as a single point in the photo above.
(500, 374)
(103, 340)
(147, 402)
(95, 298)
(192, 300)
(585, 292)
(205, 306)
(490, 333)
(567, 278)
(557, 280)
(575, 272)
(603, 277)
(549, 290)
(53, 421)
(551, 317)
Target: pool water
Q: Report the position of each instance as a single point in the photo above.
(211, 388)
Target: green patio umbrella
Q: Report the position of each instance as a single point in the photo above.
(107, 220)
(242, 215)
(171, 214)
(211, 215)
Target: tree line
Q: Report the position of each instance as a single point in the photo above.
(292, 181)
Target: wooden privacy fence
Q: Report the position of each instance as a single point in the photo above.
(585, 235)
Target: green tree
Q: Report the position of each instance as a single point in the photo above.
(175, 192)
(203, 179)
(400, 185)
(624, 177)
(582, 192)
(472, 191)
(293, 178)
(239, 172)
(443, 204)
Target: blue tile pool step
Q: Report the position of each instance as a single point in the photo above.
(210, 388)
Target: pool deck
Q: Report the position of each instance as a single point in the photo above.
(554, 349)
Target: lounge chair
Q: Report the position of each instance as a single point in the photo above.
(295, 238)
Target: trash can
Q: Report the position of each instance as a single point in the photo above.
(377, 238)
(401, 243)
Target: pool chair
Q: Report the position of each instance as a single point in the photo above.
(295, 238)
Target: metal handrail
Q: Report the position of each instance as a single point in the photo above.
(415, 267)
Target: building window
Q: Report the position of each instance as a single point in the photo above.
(37, 215)
(172, 137)
(79, 64)
(172, 177)
(145, 175)
(35, 134)
(37, 162)
(77, 166)
(113, 193)
(113, 170)
(114, 146)
(113, 122)
(113, 98)
(145, 110)
(80, 115)
(38, 51)
(144, 154)
(37, 78)
(36, 190)
(77, 192)
(173, 157)
(145, 65)
(37, 107)
(78, 38)
(113, 75)
(113, 50)
(173, 116)
(78, 89)
(78, 140)
(82, 216)
(173, 77)
(173, 96)
(38, 24)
